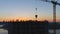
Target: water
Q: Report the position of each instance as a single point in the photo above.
(57, 31)
(2, 31)
(1, 25)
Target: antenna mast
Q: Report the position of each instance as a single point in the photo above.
(36, 14)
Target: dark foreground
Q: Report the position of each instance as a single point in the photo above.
(27, 27)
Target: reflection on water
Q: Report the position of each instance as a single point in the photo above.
(57, 31)
(1, 25)
(3, 31)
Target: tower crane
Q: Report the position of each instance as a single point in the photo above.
(54, 11)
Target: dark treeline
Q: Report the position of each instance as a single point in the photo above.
(51, 24)
(17, 21)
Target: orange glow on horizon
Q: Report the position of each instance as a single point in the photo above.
(28, 18)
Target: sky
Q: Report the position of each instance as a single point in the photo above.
(25, 10)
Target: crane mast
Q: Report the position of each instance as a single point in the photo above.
(54, 17)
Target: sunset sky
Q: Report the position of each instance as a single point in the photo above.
(25, 10)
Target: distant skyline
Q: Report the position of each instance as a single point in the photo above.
(25, 10)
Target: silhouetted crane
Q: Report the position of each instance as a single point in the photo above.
(54, 11)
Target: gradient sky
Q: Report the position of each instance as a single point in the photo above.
(25, 9)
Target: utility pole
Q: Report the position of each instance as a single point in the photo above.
(54, 12)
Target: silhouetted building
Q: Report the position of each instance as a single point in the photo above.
(28, 27)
